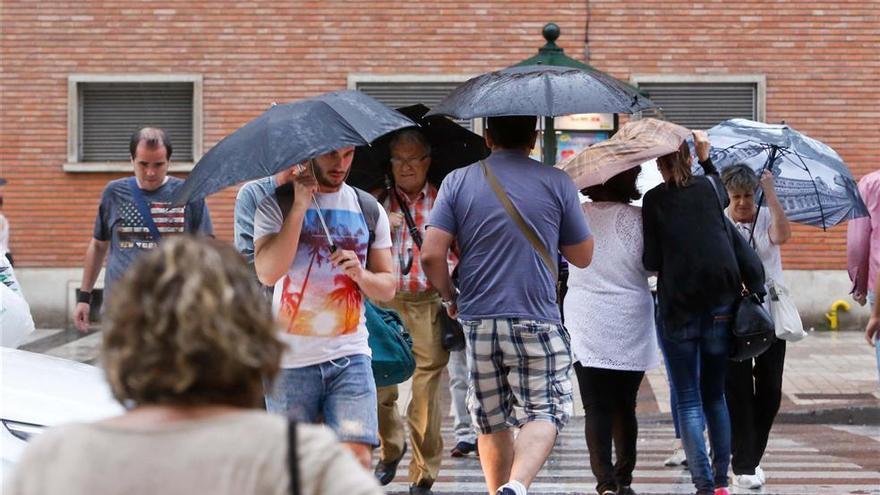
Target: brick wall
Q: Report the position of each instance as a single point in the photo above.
(249, 53)
(820, 60)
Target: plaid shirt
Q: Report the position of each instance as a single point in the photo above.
(403, 246)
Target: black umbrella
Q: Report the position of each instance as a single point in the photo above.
(541, 90)
(452, 146)
(288, 134)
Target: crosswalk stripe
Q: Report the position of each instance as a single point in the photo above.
(793, 469)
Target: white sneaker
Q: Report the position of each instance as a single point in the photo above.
(760, 474)
(750, 481)
(677, 458)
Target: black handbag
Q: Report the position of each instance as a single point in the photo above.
(752, 331)
(452, 338)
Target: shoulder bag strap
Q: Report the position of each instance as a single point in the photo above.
(293, 462)
(519, 221)
(728, 227)
(141, 204)
(410, 222)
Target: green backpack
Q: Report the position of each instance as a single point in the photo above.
(389, 341)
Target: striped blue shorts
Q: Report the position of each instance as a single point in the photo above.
(520, 371)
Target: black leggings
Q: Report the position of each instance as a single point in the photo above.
(754, 392)
(609, 399)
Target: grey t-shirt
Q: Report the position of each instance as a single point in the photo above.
(500, 274)
(249, 197)
(120, 222)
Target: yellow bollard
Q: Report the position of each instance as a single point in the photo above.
(831, 316)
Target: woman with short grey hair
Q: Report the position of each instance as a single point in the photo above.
(754, 386)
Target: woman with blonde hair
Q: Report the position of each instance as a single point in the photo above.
(187, 344)
(698, 282)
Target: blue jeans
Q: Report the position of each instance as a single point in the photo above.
(341, 392)
(673, 403)
(698, 367)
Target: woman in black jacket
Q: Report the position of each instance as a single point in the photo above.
(698, 282)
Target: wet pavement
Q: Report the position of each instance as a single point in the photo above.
(826, 439)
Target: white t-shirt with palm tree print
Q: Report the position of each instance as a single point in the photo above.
(319, 309)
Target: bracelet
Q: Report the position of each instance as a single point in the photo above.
(446, 304)
(84, 297)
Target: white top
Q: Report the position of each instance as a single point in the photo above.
(770, 255)
(320, 309)
(608, 309)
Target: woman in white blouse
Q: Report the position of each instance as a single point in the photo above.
(609, 312)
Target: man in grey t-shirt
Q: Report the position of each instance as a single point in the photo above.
(518, 352)
(119, 224)
(246, 202)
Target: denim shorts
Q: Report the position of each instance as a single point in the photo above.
(518, 365)
(341, 393)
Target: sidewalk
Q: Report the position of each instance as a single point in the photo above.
(830, 377)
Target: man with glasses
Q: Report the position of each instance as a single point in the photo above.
(419, 306)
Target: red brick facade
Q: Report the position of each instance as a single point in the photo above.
(820, 60)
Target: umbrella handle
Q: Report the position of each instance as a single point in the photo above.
(405, 267)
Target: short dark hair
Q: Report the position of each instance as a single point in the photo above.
(153, 137)
(512, 131)
(621, 188)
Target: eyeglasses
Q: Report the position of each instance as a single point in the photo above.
(398, 162)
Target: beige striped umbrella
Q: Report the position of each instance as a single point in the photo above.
(635, 143)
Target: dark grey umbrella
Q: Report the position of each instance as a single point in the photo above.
(541, 90)
(452, 146)
(288, 134)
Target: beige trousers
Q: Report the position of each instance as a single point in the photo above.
(420, 313)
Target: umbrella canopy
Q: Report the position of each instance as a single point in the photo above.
(635, 143)
(542, 90)
(814, 185)
(452, 146)
(288, 134)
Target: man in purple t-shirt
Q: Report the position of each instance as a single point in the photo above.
(517, 349)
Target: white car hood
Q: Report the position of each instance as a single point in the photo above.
(47, 390)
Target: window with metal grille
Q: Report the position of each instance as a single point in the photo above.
(397, 94)
(109, 112)
(701, 105)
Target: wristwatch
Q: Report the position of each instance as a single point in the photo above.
(447, 303)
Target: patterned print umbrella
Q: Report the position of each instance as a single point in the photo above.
(635, 143)
(814, 185)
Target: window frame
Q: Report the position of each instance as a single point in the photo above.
(759, 80)
(74, 108)
(354, 79)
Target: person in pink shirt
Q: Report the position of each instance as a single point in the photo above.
(863, 251)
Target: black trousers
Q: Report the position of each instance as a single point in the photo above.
(754, 392)
(609, 400)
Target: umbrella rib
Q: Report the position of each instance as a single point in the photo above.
(366, 141)
(816, 189)
(548, 95)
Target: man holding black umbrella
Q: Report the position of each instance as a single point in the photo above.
(510, 215)
(318, 254)
(409, 202)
